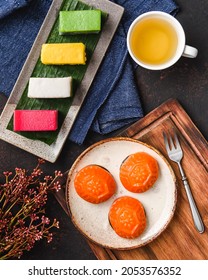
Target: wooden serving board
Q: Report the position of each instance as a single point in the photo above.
(180, 241)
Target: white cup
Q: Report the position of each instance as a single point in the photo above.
(181, 49)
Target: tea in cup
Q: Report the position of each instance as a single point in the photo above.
(156, 40)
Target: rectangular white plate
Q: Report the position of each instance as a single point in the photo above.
(36, 147)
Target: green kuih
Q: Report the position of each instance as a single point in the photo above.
(84, 21)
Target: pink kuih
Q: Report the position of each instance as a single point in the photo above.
(35, 120)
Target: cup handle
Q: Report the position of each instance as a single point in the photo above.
(190, 52)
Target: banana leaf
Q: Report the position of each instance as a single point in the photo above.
(77, 72)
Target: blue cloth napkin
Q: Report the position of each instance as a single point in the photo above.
(113, 99)
(18, 30)
(8, 6)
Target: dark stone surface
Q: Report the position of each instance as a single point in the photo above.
(186, 81)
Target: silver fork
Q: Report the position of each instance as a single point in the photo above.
(175, 153)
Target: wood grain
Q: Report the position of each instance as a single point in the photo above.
(180, 241)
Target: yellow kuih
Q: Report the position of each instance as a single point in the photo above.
(63, 53)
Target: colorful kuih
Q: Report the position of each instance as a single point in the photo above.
(94, 184)
(127, 217)
(50, 87)
(139, 172)
(35, 120)
(89, 42)
(85, 21)
(63, 53)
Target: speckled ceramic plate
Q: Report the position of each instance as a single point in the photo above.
(159, 202)
(39, 148)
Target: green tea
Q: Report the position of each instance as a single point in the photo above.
(153, 41)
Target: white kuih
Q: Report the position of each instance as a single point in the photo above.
(50, 87)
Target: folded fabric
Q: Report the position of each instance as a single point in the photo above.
(17, 34)
(113, 99)
(8, 6)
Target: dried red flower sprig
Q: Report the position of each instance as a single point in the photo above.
(22, 212)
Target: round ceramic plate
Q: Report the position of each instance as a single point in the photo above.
(92, 219)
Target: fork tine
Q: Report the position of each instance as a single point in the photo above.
(172, 146)
(176, 140)
(166, 142)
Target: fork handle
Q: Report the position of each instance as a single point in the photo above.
(194, 210)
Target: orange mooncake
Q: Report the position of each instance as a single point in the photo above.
(127, 217)
(94, 184)
(139, 172)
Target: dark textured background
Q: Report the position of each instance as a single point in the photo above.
(186, 81)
